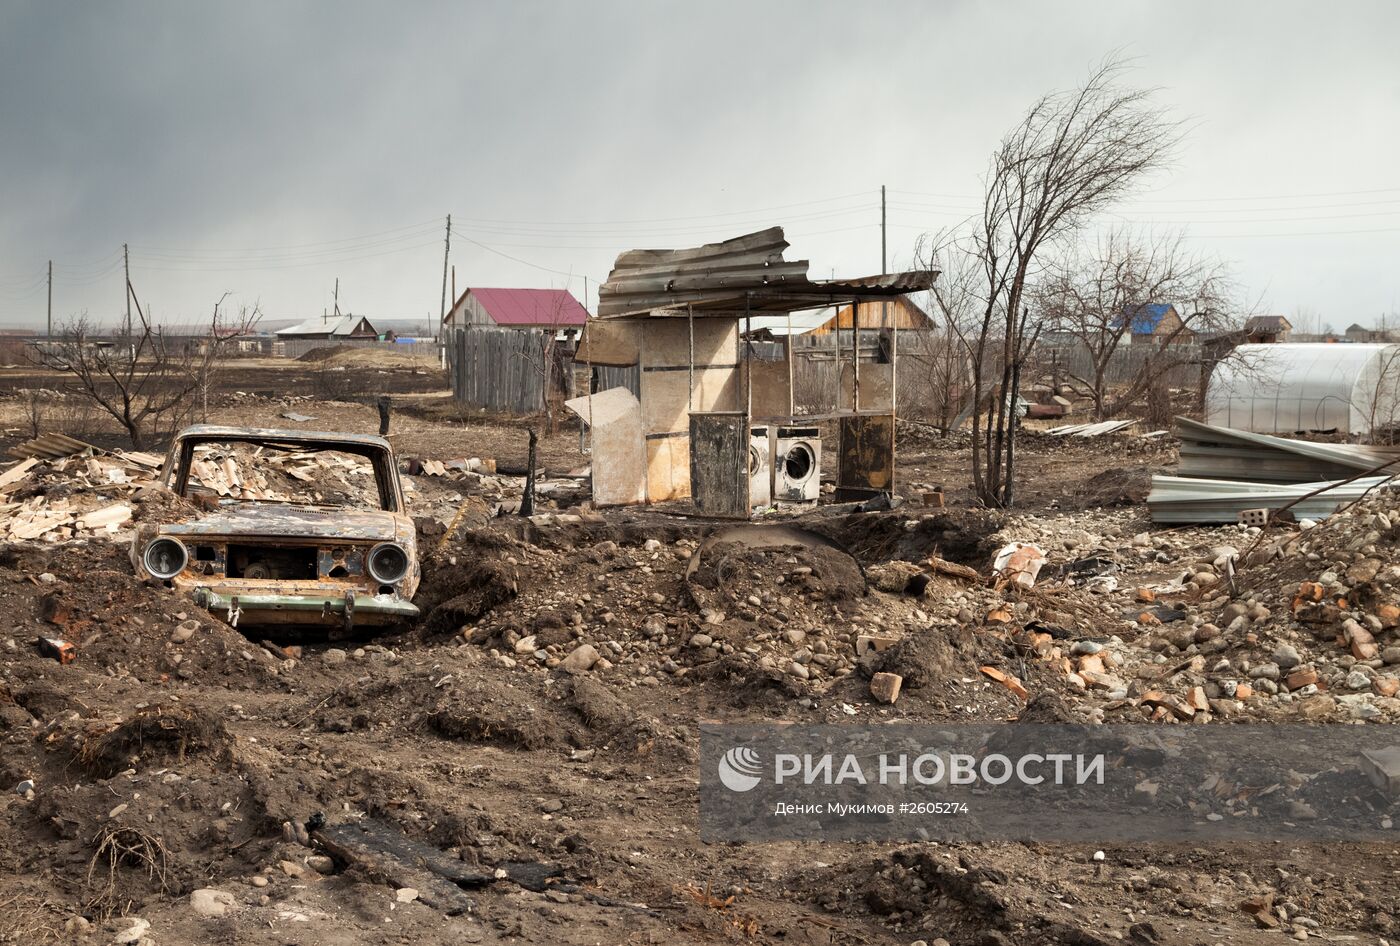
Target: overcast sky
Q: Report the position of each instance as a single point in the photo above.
(265, 148)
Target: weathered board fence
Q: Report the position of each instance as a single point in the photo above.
(503, 370)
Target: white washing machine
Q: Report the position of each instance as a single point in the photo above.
(760, 468)
(797, 464)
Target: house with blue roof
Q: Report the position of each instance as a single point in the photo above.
(1153, 322)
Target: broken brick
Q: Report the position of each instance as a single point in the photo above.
(1006, 680)
(885, 686)
(1303, 676)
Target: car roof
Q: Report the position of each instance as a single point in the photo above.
(329, 438)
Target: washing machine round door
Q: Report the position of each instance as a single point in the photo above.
(799, 463)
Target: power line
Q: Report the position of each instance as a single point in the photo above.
(433, 224)
(176, 264)
(727, 213)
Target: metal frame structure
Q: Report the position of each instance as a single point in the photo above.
(736, 280)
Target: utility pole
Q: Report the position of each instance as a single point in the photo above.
(884, 266)
(446, 252)
(126, 266)
(335, 298)
(50, 329)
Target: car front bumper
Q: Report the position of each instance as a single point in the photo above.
(348, 609)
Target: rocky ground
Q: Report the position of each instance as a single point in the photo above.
(539, 727)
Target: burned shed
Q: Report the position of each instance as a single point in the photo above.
(710, 415)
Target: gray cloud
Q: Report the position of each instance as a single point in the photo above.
(267, 148)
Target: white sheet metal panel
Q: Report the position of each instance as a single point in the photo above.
(1222, 453)
(1176, 499)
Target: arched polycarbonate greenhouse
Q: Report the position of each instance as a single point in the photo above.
(1283, 389)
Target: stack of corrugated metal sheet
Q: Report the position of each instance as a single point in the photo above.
(1223, 453)
(50, 446)
(1090, 430)
(1181, 499)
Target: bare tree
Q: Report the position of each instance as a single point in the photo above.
(1073, 155)
(1098, 295)
(944, 365)
(545, 357)
(140, 378)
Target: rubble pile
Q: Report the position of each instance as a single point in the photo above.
(56, 500)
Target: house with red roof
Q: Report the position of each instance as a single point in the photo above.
(553, 309)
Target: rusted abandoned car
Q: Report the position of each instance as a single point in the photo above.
(293, 527)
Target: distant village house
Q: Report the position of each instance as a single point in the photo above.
(335, 328)
(554, 309)
(1267, 329)
(1154, 322)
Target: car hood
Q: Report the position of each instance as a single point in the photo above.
(284, 521)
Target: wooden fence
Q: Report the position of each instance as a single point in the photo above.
(500, 369)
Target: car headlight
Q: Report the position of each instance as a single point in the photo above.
(387, 563)
(165, 557)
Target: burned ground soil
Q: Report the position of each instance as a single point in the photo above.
(524, 758)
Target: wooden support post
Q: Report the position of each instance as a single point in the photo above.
(792, 395)
(690, 359)
(855, 355)
(748, 367)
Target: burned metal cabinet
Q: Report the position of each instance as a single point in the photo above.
(719, 464)
(865, 456)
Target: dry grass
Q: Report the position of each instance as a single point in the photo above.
(29, 919)
(747, 925)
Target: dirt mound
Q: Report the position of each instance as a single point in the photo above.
(1118, 486)
(732, 571)
(357, 355)
(963, 536)
(156, 733)
(922, 659)
(463, 581)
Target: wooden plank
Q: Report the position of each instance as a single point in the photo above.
(719, 464)
(394, 858)
(44, 522)
(17, 472)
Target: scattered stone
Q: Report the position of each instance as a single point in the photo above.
(885, 686)
(133, 933)
(1286, 656)
(212, 902)
(581, 659)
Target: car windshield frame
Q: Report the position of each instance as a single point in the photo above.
(381, 460)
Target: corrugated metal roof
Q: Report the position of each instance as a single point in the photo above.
(50, 446)
(1224, 453)
(216, 432)
(1090, 430)
(1146, 318)
(1179, 499)
(747, 273)
(335, 326)
(546, 307)
(1267, 323)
